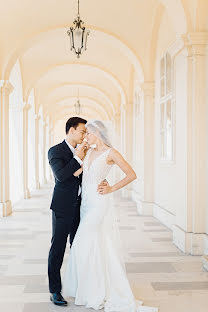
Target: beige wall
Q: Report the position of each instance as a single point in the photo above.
(207, 143)
(170, 176)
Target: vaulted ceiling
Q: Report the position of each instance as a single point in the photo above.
(123, 35)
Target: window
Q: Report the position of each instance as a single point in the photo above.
(166, 109)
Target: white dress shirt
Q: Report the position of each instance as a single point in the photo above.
(77, 158)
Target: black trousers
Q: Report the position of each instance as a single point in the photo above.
(62, 227)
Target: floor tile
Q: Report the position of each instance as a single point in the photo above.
(155, 254)
(150, 267)
(161, 239)
(158, 272)
(181, 286)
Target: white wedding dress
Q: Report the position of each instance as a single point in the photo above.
(95, 275)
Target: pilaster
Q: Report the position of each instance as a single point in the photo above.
(26, 108)
(37, 176)
(5, 202)
(145, 206)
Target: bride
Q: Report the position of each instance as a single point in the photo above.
(95, 274)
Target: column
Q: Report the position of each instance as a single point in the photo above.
(197, 132)
(25, 150)
(5, 203)
(37, 178)
(129, 109)
(127, 122)
(52, 137)
(126, 135)
(146, 204)
(129, 132)
(117, 144)
(193, 237)
(138, 147)
(196, 240)
(50, 144)
(117, 126)
(44, 152)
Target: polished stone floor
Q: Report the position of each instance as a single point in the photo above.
(160, 275)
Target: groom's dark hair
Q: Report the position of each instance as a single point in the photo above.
(73, 122)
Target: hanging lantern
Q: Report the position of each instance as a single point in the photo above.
(78, 36)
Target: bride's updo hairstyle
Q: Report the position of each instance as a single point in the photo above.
(99, 129)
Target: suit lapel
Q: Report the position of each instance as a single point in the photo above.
(66, 148)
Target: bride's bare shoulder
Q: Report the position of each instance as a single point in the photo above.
(112, 156)
(114, 152)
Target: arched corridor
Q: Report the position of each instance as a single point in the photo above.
(145, 74)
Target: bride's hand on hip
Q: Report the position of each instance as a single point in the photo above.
(104, 188)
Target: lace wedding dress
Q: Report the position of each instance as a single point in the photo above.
(95, 274)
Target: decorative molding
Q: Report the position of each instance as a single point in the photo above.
(191, 243)
(198, 38)
(196, 43)
(143, 208)
(164, 216)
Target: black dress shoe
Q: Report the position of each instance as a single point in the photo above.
(57, 299)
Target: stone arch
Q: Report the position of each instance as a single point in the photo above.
(117, 83)
(94, 101)
(122, 46)
(90, 86)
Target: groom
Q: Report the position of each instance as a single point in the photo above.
(65, 160)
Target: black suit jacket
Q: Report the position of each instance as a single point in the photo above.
(63, 165)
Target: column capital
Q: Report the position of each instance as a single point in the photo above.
(148, 87)
(6, 86)
(196, 42)
(198, 38)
